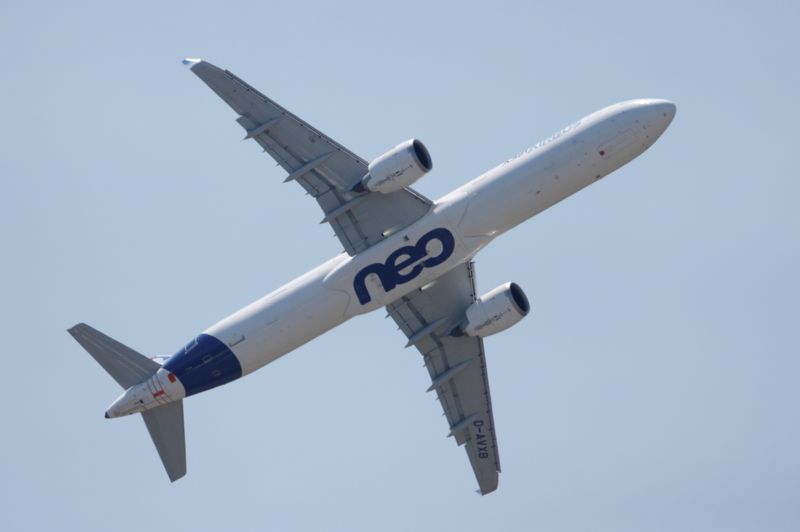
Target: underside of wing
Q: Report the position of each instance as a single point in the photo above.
(456, 364)
(323, 167)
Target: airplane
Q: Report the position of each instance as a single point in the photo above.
(402, 251)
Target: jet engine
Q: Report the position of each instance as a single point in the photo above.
(495, 311)
(398, 168)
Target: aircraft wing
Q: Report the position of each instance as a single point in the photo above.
(457, 365)
(324, 168)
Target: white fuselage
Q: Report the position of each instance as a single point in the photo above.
(473, 214)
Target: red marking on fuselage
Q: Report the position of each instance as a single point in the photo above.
(160, 392)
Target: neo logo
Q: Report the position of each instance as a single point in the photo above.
(406, 263)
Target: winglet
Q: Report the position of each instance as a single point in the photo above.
(191, 61)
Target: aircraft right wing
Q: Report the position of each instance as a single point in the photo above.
(323, 167)
(456, 364)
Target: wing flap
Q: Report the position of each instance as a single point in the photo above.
(457, 366)
(324, 168)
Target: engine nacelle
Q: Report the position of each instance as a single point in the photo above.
(398, 168)
(496, 311)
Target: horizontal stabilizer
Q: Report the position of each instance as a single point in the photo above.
(125, 365)
(165, 425)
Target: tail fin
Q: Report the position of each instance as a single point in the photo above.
(128, 368)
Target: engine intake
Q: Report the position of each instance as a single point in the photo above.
(495, 311)
(398, 168)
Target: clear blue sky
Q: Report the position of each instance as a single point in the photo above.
(654, 386)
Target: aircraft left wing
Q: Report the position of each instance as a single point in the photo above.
(323, 167)
(457, 365)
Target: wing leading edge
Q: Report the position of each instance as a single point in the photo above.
(323, 167)
(457, 366)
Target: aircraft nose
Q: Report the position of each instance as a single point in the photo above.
(658, 114)
(666, 108)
